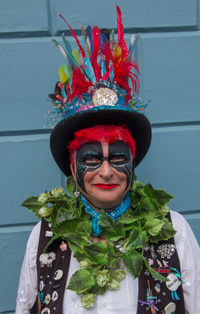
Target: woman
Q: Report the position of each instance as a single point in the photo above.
(112, 246)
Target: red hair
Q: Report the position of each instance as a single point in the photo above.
(106, 133)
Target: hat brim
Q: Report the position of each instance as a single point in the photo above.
(63, 133)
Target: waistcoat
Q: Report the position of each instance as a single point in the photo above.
(154, 296)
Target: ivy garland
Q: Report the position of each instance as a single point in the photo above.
(125, 239)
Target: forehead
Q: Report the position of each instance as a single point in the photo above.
(104, 147)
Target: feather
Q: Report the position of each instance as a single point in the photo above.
(68, 51)
(88, 69)
(120, 30)
(96, 51)
(133, 41)
(89, 38)
(79, 85)
(74, 35)
(85, 38)
(103, 40)
(76, 56)
(56, 43)
(113, 36)
(62, 71)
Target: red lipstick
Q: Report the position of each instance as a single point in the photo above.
(105, 186)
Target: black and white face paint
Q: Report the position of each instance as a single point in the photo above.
(90, 157)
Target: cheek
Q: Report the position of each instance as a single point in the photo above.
(127, 172)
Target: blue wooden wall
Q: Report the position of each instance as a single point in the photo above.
(168, 54)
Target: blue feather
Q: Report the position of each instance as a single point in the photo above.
(68, 51)
(90, 38)
(88, 69)
(103, 40)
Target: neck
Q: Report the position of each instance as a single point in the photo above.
(99, 209)
(114, 213)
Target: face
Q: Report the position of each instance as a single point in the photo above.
(103, 172)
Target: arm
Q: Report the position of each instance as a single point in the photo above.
(27, 289)
(189, 256)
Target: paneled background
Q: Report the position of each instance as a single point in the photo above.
(168, 54)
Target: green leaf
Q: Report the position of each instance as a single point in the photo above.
(81, 226)
(133, 261)
(127, 217)
(112, 230)
(62, 213)
(154, 226)
(81, 281)
(70, 185)
(96, 289)
(33, 204)
(159, 195)
(97, 252)
(75, 241)
(167, 231)
(154, 273)
(137, 238)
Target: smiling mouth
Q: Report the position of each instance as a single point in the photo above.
(105, 186)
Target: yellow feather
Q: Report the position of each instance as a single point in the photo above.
(76, 56)
(62, 71)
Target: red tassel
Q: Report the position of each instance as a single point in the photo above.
(74, 35)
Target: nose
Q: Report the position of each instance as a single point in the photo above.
(106, 170)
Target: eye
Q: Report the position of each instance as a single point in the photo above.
(118, 158)
(91, 158)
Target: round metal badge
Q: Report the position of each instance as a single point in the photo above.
(104, 97)
(173, 282)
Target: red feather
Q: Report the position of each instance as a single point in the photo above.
(79, 85)
(120, 30)
(74, 35)
(96, 51)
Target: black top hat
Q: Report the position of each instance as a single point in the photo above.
(94, 90)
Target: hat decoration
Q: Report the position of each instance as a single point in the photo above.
(100, 73)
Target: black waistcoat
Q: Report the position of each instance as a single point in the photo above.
(153, 296)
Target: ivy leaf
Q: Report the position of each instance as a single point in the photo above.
(159, 196)
(33, 204)
(154, 273)
(137, 238)
(112, 259)
(133, 261)
(167, 231)
(127, 217)
(75, 241)
(81, 226)
(154, 226)
(70, 185)
(81, 281)
(62, 213)
(97, 252)
(112, 230)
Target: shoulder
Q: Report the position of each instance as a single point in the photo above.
(33, 240)
(182, 227)
(186, 243)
